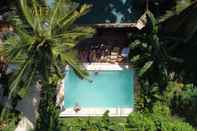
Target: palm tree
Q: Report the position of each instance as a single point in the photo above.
(44, 42)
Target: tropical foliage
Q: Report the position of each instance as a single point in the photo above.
(184, 103)
(159, 119)
(150, 57)
(164, 98)
(159, 81)
(104, 123)
(43, 43)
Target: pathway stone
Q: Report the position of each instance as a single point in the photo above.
(28, 106)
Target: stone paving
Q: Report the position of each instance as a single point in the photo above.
(28, 106)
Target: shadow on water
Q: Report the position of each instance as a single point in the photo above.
(107, 11)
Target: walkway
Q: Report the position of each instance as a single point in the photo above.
(28, 106)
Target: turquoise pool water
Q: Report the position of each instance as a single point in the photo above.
(106, 89)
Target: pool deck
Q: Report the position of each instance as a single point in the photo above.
(69, 112)
(104, 66)
(86, 112)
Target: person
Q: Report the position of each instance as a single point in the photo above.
(96, 73)
(77, 107)
(91, 81)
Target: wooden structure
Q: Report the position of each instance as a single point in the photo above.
(109, 41)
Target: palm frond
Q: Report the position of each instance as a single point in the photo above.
(60, 11)
(145, 68)
(8, 51)
(55, 12)
(180, 6)
(18, 78)
(72, 60)
(37, 17)
(30, 78)
(75, 15)
(46, 43)
(57, 67)
(28, 13)
(153, 21)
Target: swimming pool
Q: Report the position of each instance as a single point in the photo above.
(108, 87)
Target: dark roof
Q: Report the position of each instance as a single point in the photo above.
(139, 24)
(183, 25)
(119, 25)
(116, 25)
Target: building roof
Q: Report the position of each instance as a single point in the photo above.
(115, 25)
(140, 24)
(120, 25)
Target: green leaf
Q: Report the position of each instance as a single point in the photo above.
(75, 15)
(23, 92)
(18, 79)
(72, 60)
(27, 13)
(145, 68)
(153, 22)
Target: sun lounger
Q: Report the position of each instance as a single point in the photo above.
(125, 52)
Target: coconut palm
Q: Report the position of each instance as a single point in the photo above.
(44, 41)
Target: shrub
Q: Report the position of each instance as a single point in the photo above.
(141, 122)
(158, 120)
(184, 104)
